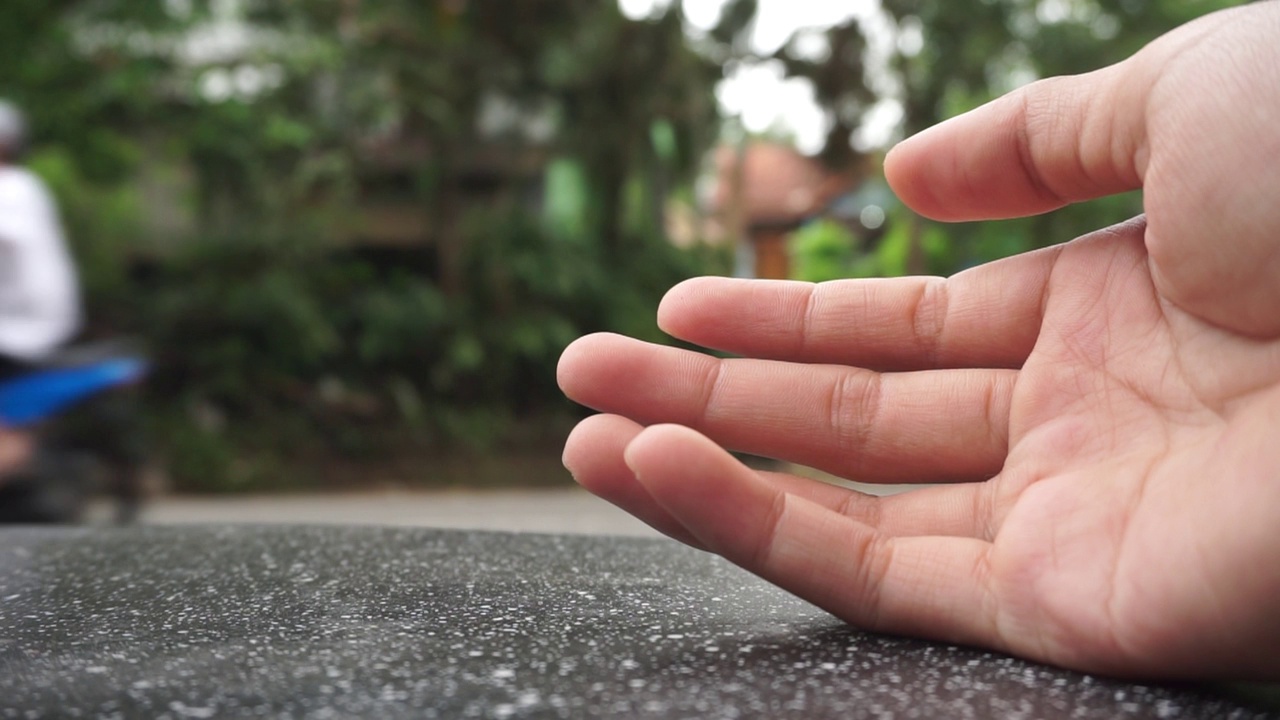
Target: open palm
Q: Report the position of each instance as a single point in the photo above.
(1133, 520)
(1101, 410)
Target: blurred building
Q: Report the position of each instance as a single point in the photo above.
(765, 191)
(389, 210)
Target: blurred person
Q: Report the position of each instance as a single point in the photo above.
(1098, 418)
(39, 292)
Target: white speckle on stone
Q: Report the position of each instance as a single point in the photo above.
(192, 623)
(187, 711)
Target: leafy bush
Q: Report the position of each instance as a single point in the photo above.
(102, 222)
(822, 250)
(299, 353)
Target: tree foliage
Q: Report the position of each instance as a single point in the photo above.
(267, 127)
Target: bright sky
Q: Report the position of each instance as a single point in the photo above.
(759, 94)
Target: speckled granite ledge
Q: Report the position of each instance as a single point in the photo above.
(341, 622)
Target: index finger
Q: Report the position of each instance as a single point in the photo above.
(985, 317)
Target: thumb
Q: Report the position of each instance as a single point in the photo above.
(1190, 119)
(1048, 144)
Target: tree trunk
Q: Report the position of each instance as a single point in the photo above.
(448, 230)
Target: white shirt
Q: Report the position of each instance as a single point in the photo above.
(39, 293)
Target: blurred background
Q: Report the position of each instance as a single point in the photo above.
(355, 235)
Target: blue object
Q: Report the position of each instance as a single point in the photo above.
(28, 399)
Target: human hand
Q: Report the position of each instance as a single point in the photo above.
(1104, 408)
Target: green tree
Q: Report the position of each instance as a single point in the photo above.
(297, 341)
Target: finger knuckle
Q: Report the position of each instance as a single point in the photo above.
(929, 319)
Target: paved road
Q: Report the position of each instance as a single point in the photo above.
(569, 510)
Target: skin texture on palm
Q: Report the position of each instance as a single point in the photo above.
(1104, 419)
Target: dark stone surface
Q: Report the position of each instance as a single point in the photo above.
(330, 622)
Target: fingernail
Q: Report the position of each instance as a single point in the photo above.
(564, 460)
(628, 458)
